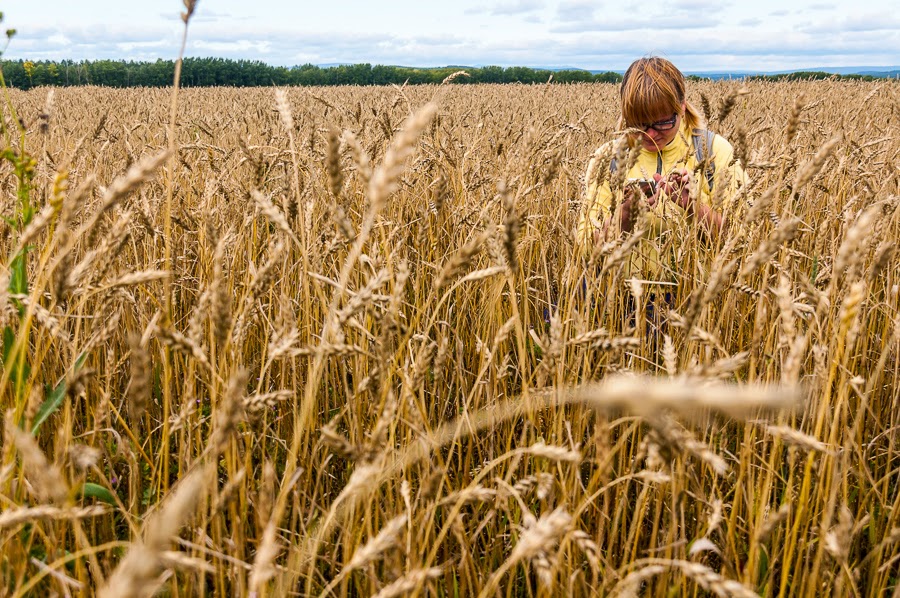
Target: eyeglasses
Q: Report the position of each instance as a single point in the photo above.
(661, 125)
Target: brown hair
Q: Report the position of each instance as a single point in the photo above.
(654, 86)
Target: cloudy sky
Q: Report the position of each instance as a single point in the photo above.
(764, 35)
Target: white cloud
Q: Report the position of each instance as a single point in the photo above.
(242, 46)
(652, 24)
(58, 39)
(508, 8)
(576, 10)
(856, 24)
(128, 47)
(205, 15)
(516, 7)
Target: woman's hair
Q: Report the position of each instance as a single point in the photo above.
(651, 87)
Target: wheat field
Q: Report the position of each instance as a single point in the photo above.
(343, 341)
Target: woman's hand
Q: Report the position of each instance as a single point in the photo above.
(678, 185)
(629, 209)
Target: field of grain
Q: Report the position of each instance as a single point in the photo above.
(343, 342)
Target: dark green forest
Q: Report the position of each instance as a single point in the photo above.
(202, 72)
(206, 72)
(809, 76)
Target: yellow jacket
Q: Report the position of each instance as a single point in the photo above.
(657, 256)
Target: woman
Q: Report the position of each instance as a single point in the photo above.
(665, 165)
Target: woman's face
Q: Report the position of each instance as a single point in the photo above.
(659, 133)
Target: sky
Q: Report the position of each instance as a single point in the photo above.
(697, 35)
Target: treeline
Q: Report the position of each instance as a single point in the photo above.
(809, 76)
(204, 72)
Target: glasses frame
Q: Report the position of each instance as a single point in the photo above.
(661, 126)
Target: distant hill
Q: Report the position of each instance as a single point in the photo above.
(875, 71)
(884, 72)
(871, 71)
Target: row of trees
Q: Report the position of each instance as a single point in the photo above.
(809, 76)
(197, 72)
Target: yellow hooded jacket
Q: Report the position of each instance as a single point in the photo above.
(656, 258)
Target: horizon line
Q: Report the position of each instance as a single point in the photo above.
(711, 70)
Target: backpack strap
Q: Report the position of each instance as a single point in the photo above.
(703, 142)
